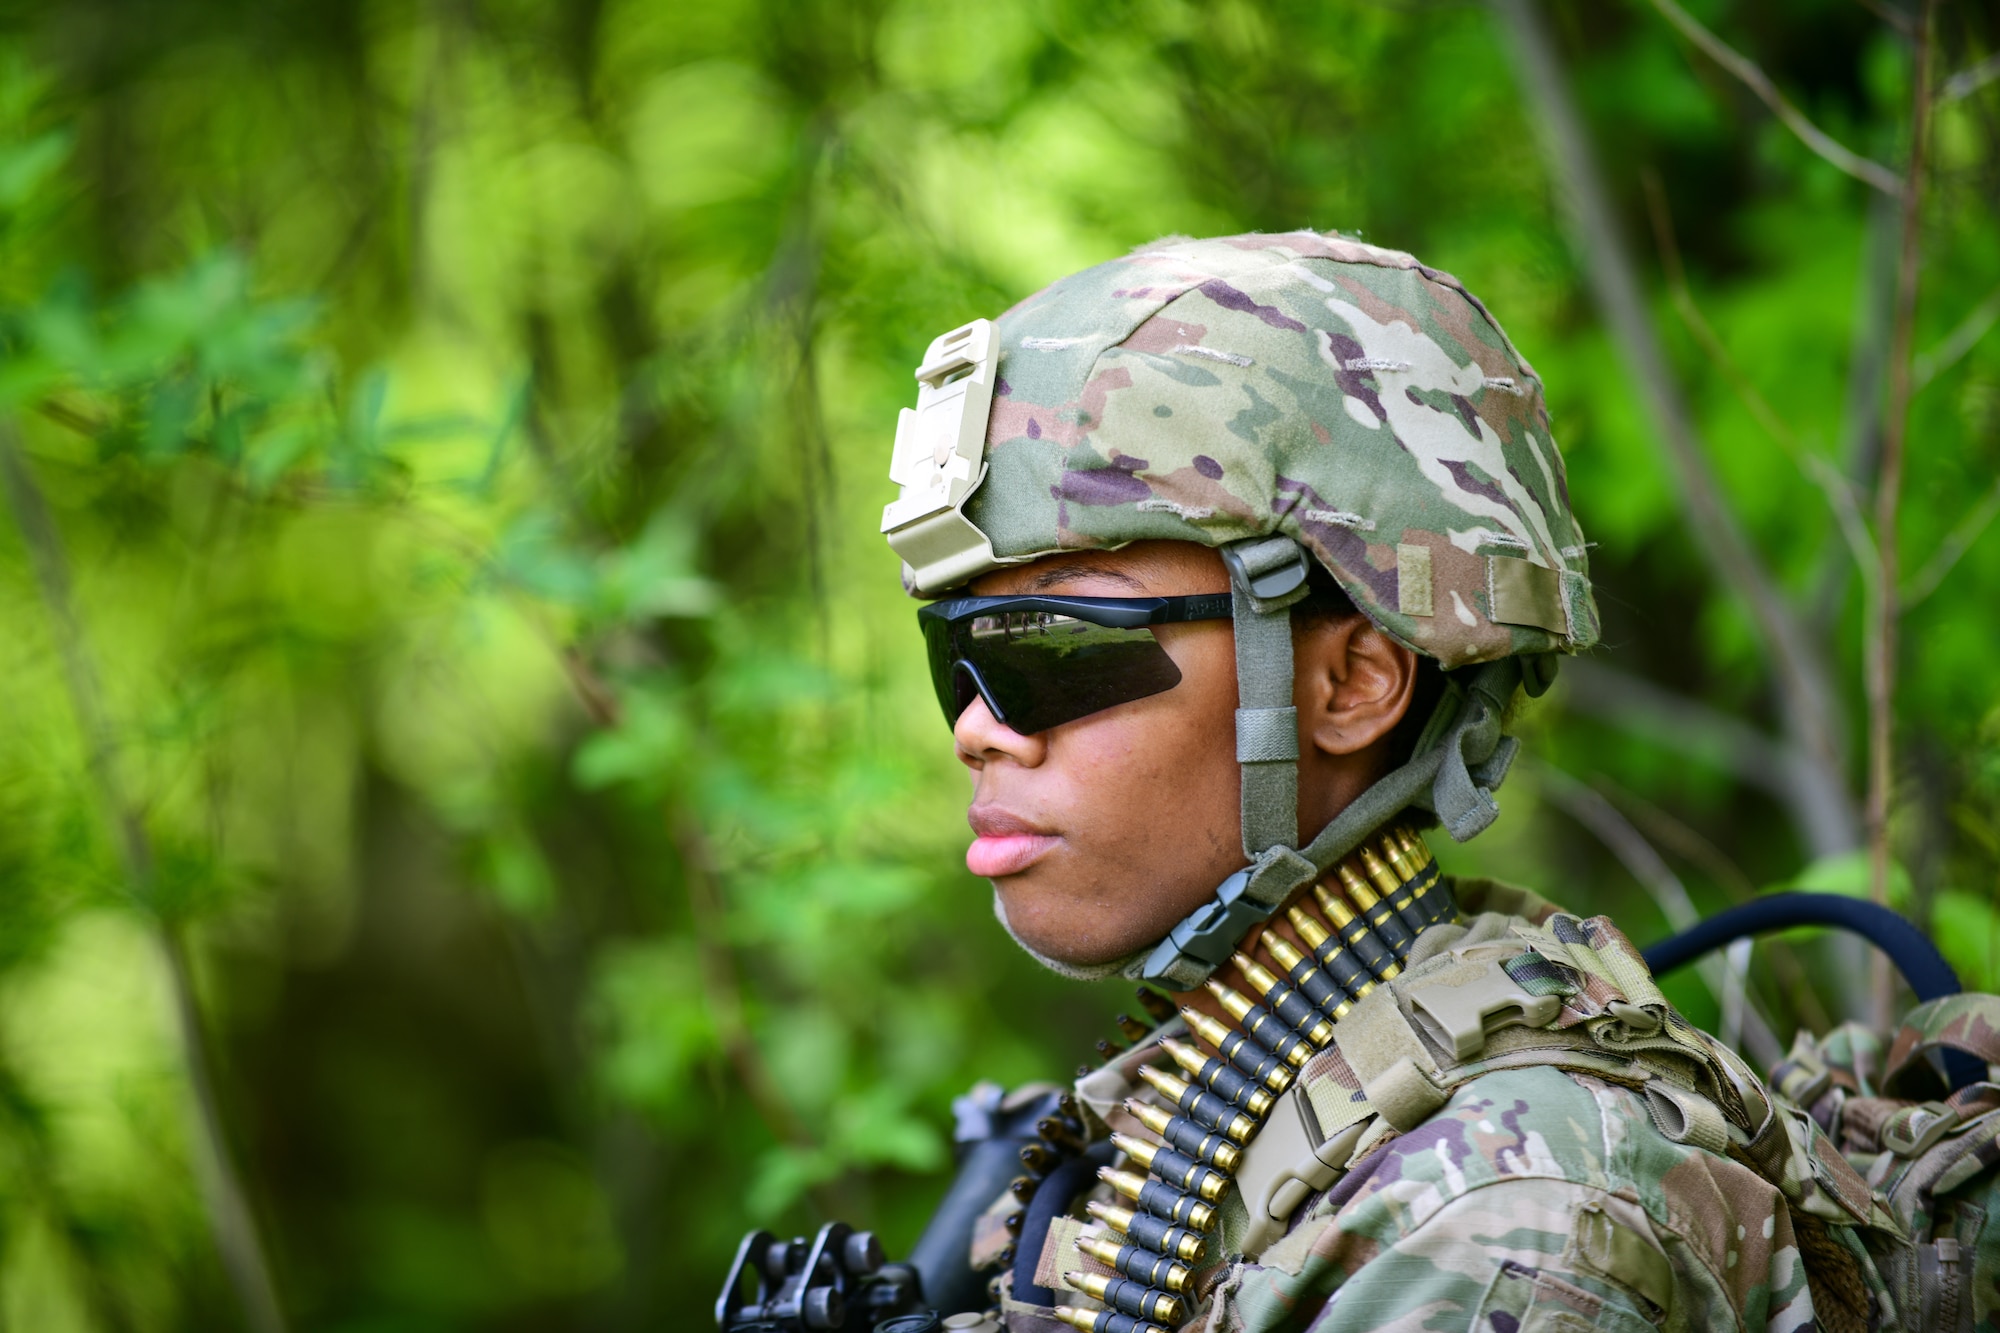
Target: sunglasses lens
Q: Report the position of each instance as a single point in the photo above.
(1039, 670)
(954, 693)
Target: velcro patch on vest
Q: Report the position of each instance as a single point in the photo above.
(1060, 1254)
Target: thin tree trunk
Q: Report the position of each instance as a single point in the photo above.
(230, 1219)
(1888, 497)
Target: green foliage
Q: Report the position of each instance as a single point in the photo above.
(464, 430)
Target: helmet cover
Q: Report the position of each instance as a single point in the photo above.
(1302, 383)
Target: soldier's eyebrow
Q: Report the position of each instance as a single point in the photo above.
(1061, 574)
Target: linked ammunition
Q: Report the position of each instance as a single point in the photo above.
(1202, 1107)
(1219, 1078)
(1151, 1233)
(1386, 881)
(1240, 1050)
(1327, 950)
(1263, 1025)
(1304, 1017)
(1105, 1321)
(1202, 1144)
(1056, 1130)
(1122, 1293)
(1141, 1265)
(1376, 910)
(1133, 1029)
(1398, 857)
(1436, 900)
(1013, 1222)
(1353, 931)
(1430, 891)
(1160, 1199)
(1397, 908)
(1181, 1172)
(1005, 1259)
(1023, 1187)
(1413, 845)
(1314, 984)
(1109, 1049)
(1037, 1158)
(1156, 1004)
(1415, 915)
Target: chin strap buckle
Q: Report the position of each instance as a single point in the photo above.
(1203, 941)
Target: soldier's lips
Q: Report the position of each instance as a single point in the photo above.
(1006, 844)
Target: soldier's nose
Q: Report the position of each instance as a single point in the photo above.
(982, 738)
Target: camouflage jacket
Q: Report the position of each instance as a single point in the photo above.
(1609, 1167)
(1537, 1199)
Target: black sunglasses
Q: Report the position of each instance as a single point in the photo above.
(1042, 661)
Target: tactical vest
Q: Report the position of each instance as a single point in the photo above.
(1928, 1155)
(1913, 1243)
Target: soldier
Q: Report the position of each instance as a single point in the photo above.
(1241, 552)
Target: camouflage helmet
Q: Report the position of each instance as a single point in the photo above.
(1263, 394)
(1306, 384)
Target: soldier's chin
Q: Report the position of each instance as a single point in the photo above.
(1057, 946)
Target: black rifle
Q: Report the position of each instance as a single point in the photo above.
(838, 1283)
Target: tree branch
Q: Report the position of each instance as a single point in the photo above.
(1754, 78)
(231, 1221)
(1833, 487)
(1814, 797)
(722, 986)
(1861, 406)
(1803, 682)
(1952, 549)
(1881, 664)
(1969, 80)
(1951, 349)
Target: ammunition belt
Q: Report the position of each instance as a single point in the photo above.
(1141, 1268)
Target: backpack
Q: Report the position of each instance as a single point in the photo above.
(1928, 1153)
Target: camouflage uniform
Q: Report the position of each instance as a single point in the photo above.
(1542, 1197)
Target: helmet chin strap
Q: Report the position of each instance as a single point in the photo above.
(1266, 575)
(1458, 761)
(1460, 758)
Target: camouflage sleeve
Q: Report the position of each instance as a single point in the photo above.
(1533, 1201)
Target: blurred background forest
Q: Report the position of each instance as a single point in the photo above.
(474, 834)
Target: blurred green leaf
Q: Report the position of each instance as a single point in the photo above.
(26, 168)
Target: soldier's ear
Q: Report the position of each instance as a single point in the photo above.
(1352, 684)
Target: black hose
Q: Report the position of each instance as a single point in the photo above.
(1922, 966)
